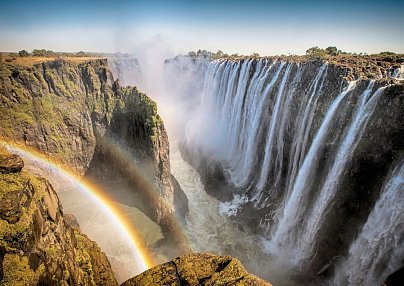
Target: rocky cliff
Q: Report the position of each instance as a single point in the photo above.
(39, 244)
(197, 269)
(76, 114)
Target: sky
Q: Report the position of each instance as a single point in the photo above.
(244, 27)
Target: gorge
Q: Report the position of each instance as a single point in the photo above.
(304, 154)
(293, 165)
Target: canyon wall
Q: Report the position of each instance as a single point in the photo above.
(300, 152)
(39, 244)
(75, 112)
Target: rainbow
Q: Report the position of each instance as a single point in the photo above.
(126, 228)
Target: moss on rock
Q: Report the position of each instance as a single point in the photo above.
(197, 269)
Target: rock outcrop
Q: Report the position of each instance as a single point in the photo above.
(78, 115)
(38, 246)
(10, 163)
(197, 269)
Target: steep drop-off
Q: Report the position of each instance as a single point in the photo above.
(39, 244)
(301, 152)
(78, 115)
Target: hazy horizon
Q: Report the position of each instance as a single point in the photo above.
(265, 27)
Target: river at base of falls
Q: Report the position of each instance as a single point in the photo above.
(209, 230)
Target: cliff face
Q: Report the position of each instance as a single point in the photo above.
(39, 245)
(197, 269)
(301, 151)
(74, 113)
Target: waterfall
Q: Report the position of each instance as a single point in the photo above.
(296, 204)
(276, 113)
(343, 156)
(301, 148)
(379, 248)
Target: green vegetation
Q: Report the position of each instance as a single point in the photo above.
(387, 54)
(23, 53)
(16, 234)
(318, 53)
(207, 54)
(18, 272)
(83, 258)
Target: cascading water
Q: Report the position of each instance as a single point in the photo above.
(379, 248)
(291, 139)
(306, 155)
(297, 203)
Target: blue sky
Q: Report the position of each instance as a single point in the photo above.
(267, 27)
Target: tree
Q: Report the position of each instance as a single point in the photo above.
(43, 53)
(316, 53)
(332, 50)
(387, 53)
(219, 53)
(23, 53)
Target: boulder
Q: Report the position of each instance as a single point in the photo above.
(10, 163)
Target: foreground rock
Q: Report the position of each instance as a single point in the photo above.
(37, 245)
(197, 269)
(10, 163)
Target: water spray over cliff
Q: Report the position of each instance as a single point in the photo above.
(303, 153)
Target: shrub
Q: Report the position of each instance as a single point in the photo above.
(23, 53)
(316, 53)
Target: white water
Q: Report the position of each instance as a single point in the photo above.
(271, 126)
(365, 108)
(379, 249)
(209, 229)
(244, 121)
(296, 204)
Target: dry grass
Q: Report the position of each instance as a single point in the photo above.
(29, 61)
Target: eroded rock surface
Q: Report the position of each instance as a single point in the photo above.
(78, 115)
(198, 269)
(37, 245)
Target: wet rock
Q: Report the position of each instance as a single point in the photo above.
(197, 269)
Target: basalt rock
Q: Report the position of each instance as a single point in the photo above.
(37, 245)
(197, 269)
(11, 164)
(79, 116)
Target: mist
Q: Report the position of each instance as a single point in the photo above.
(176, 83)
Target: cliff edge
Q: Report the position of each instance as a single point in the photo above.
(76, 114)
(39, 244)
